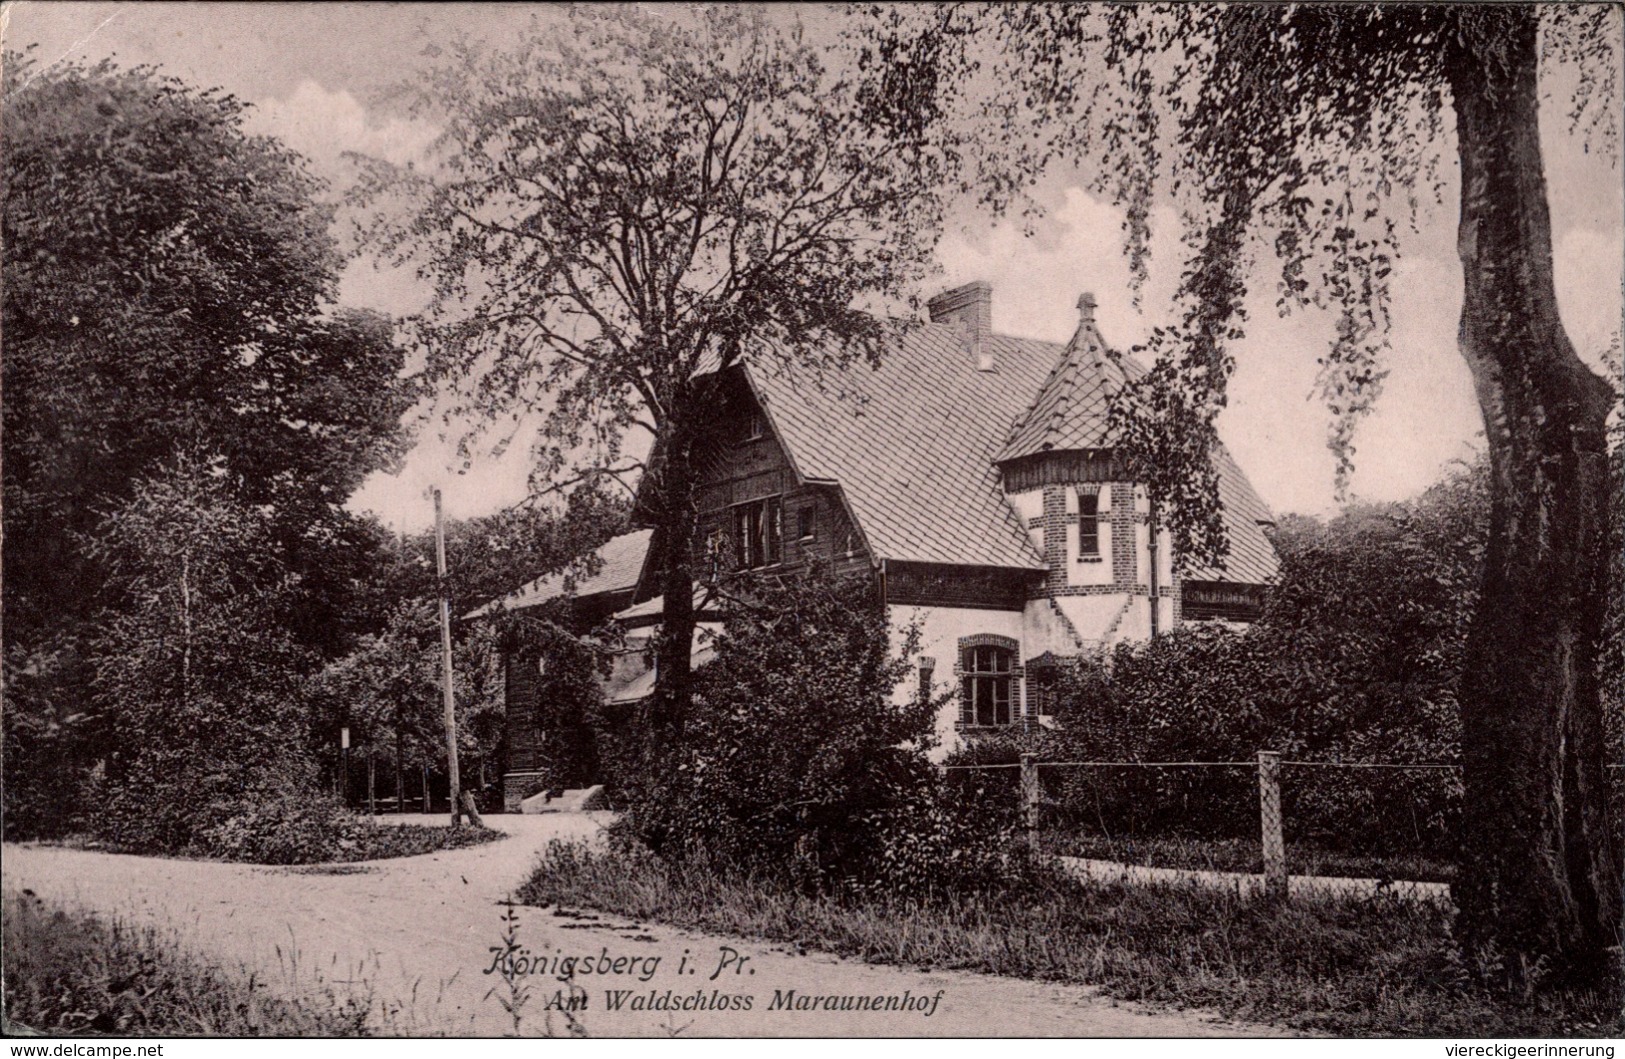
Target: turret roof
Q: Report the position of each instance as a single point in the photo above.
(1070, 410)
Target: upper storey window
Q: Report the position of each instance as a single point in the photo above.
(1088, 526)
(758, 533)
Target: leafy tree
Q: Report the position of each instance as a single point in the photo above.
(388, 693)
(795, 756)
(489, 556)
(194, 676)
(375, 692)
(168, 285)
(386, 688)
(627, 206)
(1315, 130)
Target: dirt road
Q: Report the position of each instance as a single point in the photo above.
(418, 935)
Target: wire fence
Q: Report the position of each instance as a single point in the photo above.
(1283, 826)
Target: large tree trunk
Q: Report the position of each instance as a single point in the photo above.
(1539, 869)
(677, 515)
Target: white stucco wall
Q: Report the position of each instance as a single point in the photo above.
(941, 629)
(1045, 628)
(1135, 625)
(1165, 613)
(1092, 616)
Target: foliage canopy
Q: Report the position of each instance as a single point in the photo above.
(168, 288)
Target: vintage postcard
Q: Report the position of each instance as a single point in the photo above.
(724, 520)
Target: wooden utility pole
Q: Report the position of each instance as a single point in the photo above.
(454, 788)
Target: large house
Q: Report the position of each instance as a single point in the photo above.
(972, 476)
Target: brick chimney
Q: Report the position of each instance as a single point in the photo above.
(971, 307)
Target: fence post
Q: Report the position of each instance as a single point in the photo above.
(1269, 815)
(1029, 799)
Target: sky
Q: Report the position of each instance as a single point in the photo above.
(316, 75)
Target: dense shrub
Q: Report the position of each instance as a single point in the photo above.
(1218, 694)
(189, 761)
(1354, 659)
(796, 763)
(945, 841)
(49, 743)
(202, 688)
(262, 816)
(278, 824)
(238, 813)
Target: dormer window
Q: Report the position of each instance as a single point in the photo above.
(1088, 527)
(806, 524)
(758, 533)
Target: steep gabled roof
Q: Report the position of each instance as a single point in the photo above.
(620, 560)
(912, 443)
(915, 443)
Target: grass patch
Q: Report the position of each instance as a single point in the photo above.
(383, 841)
(1353, 967)
(74, 973)
(1244, 855)
(353, 839)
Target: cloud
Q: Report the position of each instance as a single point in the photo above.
(1076, 247)
(322, 125)
(403, 500)
(1273, 423)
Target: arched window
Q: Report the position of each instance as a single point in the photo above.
(988, 673)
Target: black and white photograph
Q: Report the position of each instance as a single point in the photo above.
(885, 520)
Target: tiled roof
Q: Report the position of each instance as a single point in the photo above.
(621, 562)
(1252, 559)
(912, 443)
(1070, 410)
